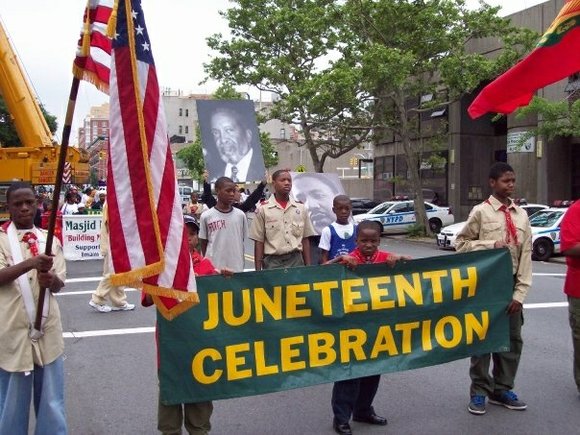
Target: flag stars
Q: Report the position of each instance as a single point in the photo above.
(139, 29)
(133, 14)
(145, 46)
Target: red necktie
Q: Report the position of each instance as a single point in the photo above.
(32, 241)
(512, 231)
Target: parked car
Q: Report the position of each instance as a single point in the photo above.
(446, 238)
(546, 232)
(362, 205)
(397, 216)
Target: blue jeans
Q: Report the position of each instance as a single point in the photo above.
(354, 397)
(16, 392)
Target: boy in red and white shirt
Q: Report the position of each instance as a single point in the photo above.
(354, 397)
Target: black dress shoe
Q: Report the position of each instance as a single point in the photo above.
(342, 428)
(372, 419)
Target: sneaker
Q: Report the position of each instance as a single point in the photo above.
(509, 399)
(477, 405)
(126, 307)
(101, 308)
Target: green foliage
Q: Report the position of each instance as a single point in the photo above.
(416, 231)
(558, 118)
(9, 135)
(192, 157)
(350, 71)
(284, 47)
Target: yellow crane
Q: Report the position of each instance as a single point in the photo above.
(36, 160)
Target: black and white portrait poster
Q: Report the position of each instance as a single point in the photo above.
(230, 140)
(317, 191)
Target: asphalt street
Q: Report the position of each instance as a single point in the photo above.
(111, 379)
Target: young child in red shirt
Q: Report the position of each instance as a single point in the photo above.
(354, 397)
(195, 416)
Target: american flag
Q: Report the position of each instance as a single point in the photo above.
(93, 59)
(149, 246)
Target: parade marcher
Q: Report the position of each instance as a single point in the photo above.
(194, 207)
(195, 416)
(354, 397)
(223, 229)
(339, 237)
(247, 205)
(100, 202)
(105, 289)
(71, 205)
(46, 217)
(499, 223)
(31, 361)
(281, 228)
(570, 246)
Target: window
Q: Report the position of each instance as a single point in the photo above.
(186, 128)
(186, 113)
(180, 128)
(180, 113)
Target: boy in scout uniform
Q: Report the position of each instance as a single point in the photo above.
(499, 223)
(281, 228)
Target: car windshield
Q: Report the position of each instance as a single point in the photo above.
(545, 218)
(381, 208)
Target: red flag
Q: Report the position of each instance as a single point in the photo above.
(556, 57)
(149, 246)
(93, 58)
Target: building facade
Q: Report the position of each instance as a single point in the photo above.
(546, 171)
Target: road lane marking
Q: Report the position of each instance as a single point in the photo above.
(546, 305)
(107, 332)
(90, 279)
(548, 274)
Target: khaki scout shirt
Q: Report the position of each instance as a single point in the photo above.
(16, 348)
(486, 225)
(281, 230)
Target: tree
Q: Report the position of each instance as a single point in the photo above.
(9, 135)
(284, 47)
(404, 50)
(192, 155)
(558, 118)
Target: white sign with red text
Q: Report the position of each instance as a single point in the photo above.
(81, 237)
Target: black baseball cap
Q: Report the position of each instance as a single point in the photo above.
(190, 220)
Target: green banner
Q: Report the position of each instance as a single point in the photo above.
(274, 330)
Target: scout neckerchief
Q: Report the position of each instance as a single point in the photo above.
(32, 238)
(511, 230)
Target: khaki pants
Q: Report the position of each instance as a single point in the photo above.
(505, 364)
(574, 318)
(291, 259)
(195, 416)
(106, 290)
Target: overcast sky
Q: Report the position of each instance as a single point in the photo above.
(45, 33)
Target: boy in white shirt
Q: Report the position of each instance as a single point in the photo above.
(339, 238)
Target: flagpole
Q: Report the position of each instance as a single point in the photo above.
(74, 89)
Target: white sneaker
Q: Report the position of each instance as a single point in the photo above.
(100, 307)
(126, 307)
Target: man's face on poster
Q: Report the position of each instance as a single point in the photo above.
(318, 197)
(232, 140)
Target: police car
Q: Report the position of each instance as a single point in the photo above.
(546, 232)
(398, 216)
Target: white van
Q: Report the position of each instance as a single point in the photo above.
(185, 194)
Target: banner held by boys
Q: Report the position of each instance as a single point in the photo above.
(262, 332)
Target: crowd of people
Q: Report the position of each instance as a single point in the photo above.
(281, 229)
